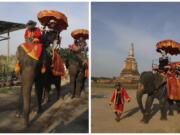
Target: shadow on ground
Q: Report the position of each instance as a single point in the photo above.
(78, 125)
(15, 125)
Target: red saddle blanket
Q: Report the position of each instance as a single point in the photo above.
(173, 86)
(57, 65)
(32, 49)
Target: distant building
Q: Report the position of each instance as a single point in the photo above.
(104, 81)
(129, 76)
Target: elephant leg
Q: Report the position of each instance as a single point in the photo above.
(39, 92)
(139, 95)
(58, 86)
(79, 83)
(83, 84)
(162, 103)
(26, 102)
(47, 89)
(20, 104)
(73, 84)
(27, 82)
(170, 107)
(148, 106)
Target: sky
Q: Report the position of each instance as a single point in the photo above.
(20, 12)
(115, 25)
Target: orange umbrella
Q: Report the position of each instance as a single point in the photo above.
(169, 46)
(45, 16)
(80, 34)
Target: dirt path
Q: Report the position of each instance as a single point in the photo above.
(103, 116)
(63, 116)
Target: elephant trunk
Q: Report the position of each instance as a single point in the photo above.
(139, 95)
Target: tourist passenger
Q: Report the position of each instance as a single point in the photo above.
(32, 33)
(163, 61)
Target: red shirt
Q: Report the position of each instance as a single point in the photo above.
(123, 93)
(36, 33)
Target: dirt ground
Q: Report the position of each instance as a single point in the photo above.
(103, 118)
(59, 116)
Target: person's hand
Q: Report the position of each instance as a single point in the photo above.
(129, 100)
(55, 42)
(110, 104)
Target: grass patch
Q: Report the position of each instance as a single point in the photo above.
(102, 85)
(8, 89)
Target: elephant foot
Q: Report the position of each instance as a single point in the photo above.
(146, 121)
(171, 113)
(40, 111)
(163, 118)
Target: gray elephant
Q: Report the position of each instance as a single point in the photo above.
(76, 66)
(31, 73)
(154, 85)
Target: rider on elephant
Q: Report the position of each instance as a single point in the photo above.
(51, 38)
(79, 47)
(163, 61)
(32, 44)
(77, 63)
(32, 33)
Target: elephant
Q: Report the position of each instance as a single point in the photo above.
(154, 85)
(43, 81)
(27, 74)
(31, 73)
(75, 65)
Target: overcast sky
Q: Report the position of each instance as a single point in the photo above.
(116, 25)
(21, 12)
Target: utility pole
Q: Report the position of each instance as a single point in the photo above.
(8, 48)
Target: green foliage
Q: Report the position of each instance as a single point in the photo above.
(64, 52)
(3, 63)
(8, 89)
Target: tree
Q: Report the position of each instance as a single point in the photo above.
(64, 52)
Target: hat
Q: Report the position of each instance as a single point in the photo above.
(31, 22)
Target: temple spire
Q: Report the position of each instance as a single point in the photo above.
(129, 75)
(131, 51)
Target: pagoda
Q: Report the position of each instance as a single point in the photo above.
(129, 76)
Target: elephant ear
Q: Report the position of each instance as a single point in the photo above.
(147, 80)
(158, 80)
